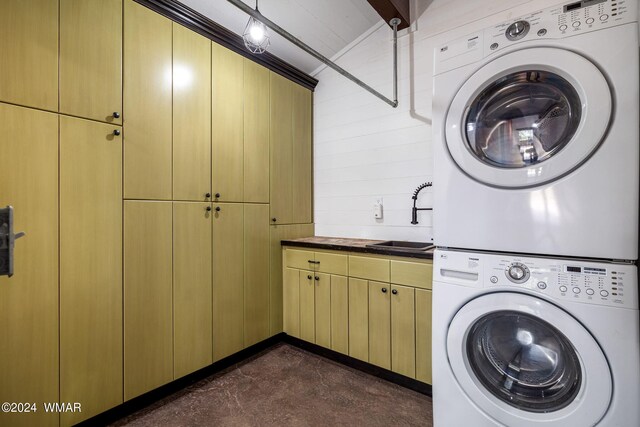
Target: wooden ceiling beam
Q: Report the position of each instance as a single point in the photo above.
(389, 9)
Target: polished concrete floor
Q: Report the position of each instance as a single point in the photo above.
(287, 386)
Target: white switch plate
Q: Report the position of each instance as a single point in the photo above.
(377, 208)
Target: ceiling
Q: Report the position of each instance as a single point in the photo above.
(327, 25)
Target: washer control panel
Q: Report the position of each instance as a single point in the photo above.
(589, 282)
(564, 20)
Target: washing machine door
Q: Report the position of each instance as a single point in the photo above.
(528, 118)
(526, 362)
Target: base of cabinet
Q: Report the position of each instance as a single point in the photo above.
(365, 367)
(147, 399)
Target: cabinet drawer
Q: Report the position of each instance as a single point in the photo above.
(412, 273)
(295, 258)
(331, 263)
(369, 268)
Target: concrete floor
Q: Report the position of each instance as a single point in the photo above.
(287, 386)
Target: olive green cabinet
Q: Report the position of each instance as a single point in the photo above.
(91, 59)
(378, 310)
(291, 152)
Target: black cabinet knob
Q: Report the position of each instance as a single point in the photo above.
(273, 220)
(116, 115)
(217, 195)
(207, 195)
(309, 277)
(208, 208)
(218, 209)
(395, 291)
(116, 132)
(384, 290)
(317, 278)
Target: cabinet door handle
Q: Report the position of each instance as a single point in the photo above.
(317, 278)
(217, 195)
(395, 292)
(208, 208)
(116, 115)
(273, 220)
(309, 277)
(218, 209)
(313, 262)
(207, 195)
(116, 132)
(384, 290)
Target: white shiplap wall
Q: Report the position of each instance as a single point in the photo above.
(364, 149)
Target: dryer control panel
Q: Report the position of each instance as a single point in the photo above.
(568, 19)
(582, 281)
(561, 21)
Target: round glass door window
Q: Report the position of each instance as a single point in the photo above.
(524, 361)
(522, 119)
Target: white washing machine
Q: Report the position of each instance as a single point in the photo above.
(524, 341)
(535, 125)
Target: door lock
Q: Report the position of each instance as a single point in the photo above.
(7, 241)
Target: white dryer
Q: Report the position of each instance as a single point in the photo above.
(524, 341)
(536, 141)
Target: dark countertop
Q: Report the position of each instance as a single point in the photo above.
(353, 245)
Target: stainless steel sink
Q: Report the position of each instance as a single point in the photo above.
(402, 246)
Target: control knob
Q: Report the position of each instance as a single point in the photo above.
(517, 30)
(518, 273)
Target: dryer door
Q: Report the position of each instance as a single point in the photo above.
(528, 117)
(525, 362)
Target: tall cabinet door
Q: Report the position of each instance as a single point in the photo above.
(228, 279)
(29, 46)
(191, 287)
(191, 115)
(256, 132)
(281, 150)
(147, 103)
(91, 59)
(29, 299)
(403, 331)
(227, 124)
(301, 166)
(380, 324)
(256, 273)
(90, 267)
(148, 296)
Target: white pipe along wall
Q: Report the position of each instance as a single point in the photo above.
(364, 150)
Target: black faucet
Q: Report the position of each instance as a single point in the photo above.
(414, 212)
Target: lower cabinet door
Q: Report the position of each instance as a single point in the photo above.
(91, 338)
(380, 324)
(29, 299)
(228, 279)
(191, 287)
(256, 273)
(423, 336)
(403, 331)
(148, 296)
(339, 314)
(323, 309)
(291, 302)
(359, 319)
(307, 306)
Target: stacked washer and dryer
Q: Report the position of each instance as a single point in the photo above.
(535, 295)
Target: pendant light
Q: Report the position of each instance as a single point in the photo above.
(255, 35)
